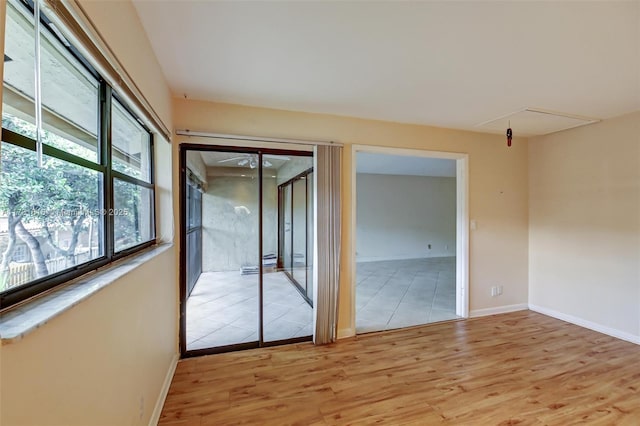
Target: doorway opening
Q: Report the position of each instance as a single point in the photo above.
(246, 253)
(410, 238)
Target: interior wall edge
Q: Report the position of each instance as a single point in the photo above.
(584, 225)
(164, 391)
(609, 331)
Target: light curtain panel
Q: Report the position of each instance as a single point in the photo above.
(328, 170)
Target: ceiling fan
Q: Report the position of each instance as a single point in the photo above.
(251, 161)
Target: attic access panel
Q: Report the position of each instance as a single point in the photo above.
(535, 122)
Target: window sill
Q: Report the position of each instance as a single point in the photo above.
(20, 320)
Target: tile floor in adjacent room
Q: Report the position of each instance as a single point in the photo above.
(402, 293)
(223, 309)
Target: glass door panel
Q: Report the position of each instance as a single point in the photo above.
(299, 226)
(276, 238)
(222, 309)
(287, 228)
(310, 226)
(193, 232)
(247, 251)
(287, 314)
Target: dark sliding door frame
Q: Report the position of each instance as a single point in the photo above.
(281, 233)
(184, 148)
(193, 207)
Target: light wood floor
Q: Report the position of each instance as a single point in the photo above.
(520, 368)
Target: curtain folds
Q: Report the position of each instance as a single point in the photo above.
(328, 170)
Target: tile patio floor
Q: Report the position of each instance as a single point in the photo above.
(223, 307)
(223, 310)
(402, 293)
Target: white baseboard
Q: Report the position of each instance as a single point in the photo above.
(157, 410)
(366, 259)
(498, 310)
(343, 333)
(587, 324)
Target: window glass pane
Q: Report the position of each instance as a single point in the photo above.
(69, 100)
(18, 85)
(130, 149)
(133, 214)
(69, 91)
(189, 193)
(50, 217)
(197, 208)
(193, 204)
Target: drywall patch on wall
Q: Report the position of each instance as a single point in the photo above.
(405, 217)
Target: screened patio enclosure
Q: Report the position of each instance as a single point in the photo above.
(248, 224)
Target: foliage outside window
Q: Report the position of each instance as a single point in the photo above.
(92, 200)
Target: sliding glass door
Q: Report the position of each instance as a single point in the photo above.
(310, 227)
(288, 310)
(244, 257)
(299, 236)
(296, 231)
(193, 230)
(222, 303)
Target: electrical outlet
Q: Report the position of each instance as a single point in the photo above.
(499, 290)
(494, 291)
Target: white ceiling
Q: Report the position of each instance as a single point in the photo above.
(450, 64)
(530, 122)
(384, 164)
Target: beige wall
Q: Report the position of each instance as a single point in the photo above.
(399, 217)
(104, 361)
(497, 185)
(584, 207)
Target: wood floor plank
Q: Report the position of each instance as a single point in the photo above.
(520, 368)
